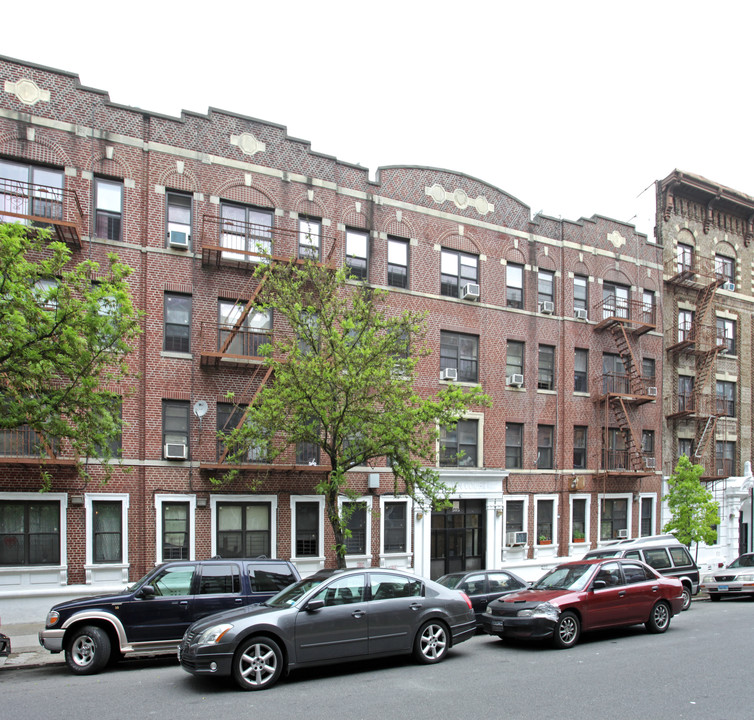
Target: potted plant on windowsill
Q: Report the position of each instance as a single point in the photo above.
(544, 540)
(578, 536)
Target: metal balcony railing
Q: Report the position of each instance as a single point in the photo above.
(245, 344)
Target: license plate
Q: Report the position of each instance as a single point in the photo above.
(722, 588)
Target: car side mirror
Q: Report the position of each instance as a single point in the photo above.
(146, 592)
(314, 605)
(599, 584)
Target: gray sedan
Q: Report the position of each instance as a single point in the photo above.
(332, 616)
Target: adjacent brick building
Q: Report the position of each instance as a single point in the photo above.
(559, 322)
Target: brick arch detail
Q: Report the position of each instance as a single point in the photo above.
(246, 194)
(464, 243)
(186, 181)
(41, 150)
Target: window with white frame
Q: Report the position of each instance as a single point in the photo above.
(30, 190)
(178, 219)
(307, 524)
(579, 518)
(545, 287)
(614, 517)
(514, 286)
(646, 523)
(458, 269)
(726, 334)
(108, 204)
(355, 514)
(175, 526)
(459, 444)
(309, 238)
(544, 508)
(31, 529)
(395, 514)
(397, 262)
(106, 528)
(247, 230)
(357, 253)
(515, 515)
(243, 529)
(580, 292)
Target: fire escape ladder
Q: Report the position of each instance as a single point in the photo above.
(634, 448)
(628, 357)
(244, 314)
(704, 436)
(242, 420)
(704, 301)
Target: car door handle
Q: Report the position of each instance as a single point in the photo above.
(655, 588)
(183, 602)
(238, 601)
(415, 606)
(358, 614)
(621, 593)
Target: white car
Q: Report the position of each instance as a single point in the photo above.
(737, 578)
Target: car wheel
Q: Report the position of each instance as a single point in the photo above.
(432, 643)
(257, 664)
(686, 598)
(659, 618)
(88, 650)
(714, 597)
(567, 631)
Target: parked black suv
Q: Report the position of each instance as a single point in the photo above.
(662, 552)
(151, 615)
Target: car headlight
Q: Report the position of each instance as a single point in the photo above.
(746, 578)
(488, 611)
(213, 634)
(545, 610)
(52, 617)
(708, 579)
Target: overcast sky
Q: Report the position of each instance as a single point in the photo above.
(574, 107)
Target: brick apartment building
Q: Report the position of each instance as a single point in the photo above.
(558, 321)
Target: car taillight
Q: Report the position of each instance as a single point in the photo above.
(466, 598)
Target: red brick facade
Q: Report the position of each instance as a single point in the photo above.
(47, 119)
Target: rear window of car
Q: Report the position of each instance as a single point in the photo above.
(273, 577)
(657, 558)
(681, 556)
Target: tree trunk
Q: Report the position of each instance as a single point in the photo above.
(331, 507)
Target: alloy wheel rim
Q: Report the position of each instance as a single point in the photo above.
(433, 642)
(258, 664)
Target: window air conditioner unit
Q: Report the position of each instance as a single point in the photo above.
(547, 307)
(721, 471)
(470, 291)
(178, 240)
(623, 533)
(449, 374)
(650, 462)
(581, 314)
(652, 391)
(729, 286)
(515, 380)
(176, 451)
(516, 538)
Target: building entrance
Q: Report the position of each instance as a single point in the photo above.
(458, 538)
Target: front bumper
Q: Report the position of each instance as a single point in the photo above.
(52, 640)
(519, 627)
(206, 659)
(734, 587)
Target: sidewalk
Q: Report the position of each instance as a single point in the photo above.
(25, 648)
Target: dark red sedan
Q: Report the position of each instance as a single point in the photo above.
(586, 595)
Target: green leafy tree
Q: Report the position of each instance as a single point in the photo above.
(343, 381)
(692, 509)
(66, 331)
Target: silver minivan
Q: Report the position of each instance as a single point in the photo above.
(662, 552)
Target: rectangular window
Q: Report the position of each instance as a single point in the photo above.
(356, 523)
(578, 519)
(648, 443)
(29, 532)
(514, 445)
(685, 447)
(646, 521)
(229, 417)
(648, 371)
(580, 290)
(579, 446)
(457, 270)
(177, 333)
(685, 393)
(175, 428)
(684, 258)
(615, 300)
(726, 334)
(725, 457)
(307, 453)
(458, 445)
(614, 376)
(580, 370)
(307, 529)
(243, 529)
(108, 208)
(397, 263)
(178, 220)
(685, 325)
(107, 531)
(725, 268)
(545, 287)
(545, 447)
(175, 531)
(395, 527)
(461, 353)
(246, 232)
(357, 248)
(250, 333)
(617, 452)
(309, 238)
(514, 286)
(545, 510)
(514, 358)
(614, 518)
(514, 516)
(26, 190)
(648, 308)
(726, 398)
(546, 377)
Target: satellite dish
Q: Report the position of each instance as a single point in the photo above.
(200, 408)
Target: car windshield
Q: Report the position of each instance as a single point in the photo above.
(565, 577)
(141, 581)
(293, 593)
(450, 581)
(603, 554)
(743, 561)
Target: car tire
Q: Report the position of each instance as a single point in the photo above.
(659, 618)
(686, 598)
(431, 643)
(88, 650)
(715, 597)
(567, 631)
(257, 664)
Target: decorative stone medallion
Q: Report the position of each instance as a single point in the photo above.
(27, 91)
(459, 198)
(247, 143)
(616, 239)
